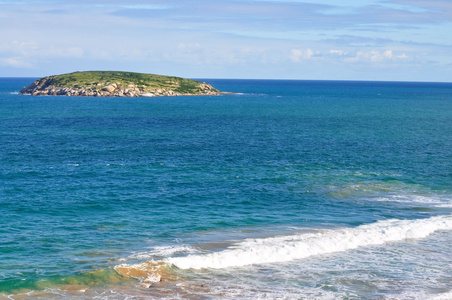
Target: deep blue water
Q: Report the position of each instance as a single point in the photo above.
(89, 183)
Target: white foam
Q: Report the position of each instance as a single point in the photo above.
(445, 296)
(164, 251)
(288, 248)
(421, 295)
(435, 201)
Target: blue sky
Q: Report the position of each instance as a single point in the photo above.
(403, 40)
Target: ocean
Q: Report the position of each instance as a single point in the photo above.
(285, 189)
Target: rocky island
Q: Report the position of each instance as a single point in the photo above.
(117, 84)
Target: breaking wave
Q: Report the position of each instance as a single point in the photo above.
(288, 248)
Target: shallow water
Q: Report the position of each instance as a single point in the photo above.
(287, 189)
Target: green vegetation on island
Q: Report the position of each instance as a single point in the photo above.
(117, 84)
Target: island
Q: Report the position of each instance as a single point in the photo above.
(117, 84)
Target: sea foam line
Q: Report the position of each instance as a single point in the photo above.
(163, 251)
(288, 248)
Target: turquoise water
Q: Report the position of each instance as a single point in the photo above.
(285, 189)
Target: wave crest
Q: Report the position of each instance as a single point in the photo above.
(288, 248)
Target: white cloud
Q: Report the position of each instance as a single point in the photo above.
(27, 54)
(17, 62)
(189, 47)
(298, 55)
(36, 49)
(134, 6)
(338, 52)
(374, 56)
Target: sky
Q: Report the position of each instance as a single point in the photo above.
(390, 40)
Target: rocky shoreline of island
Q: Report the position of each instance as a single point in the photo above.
(117, 84)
